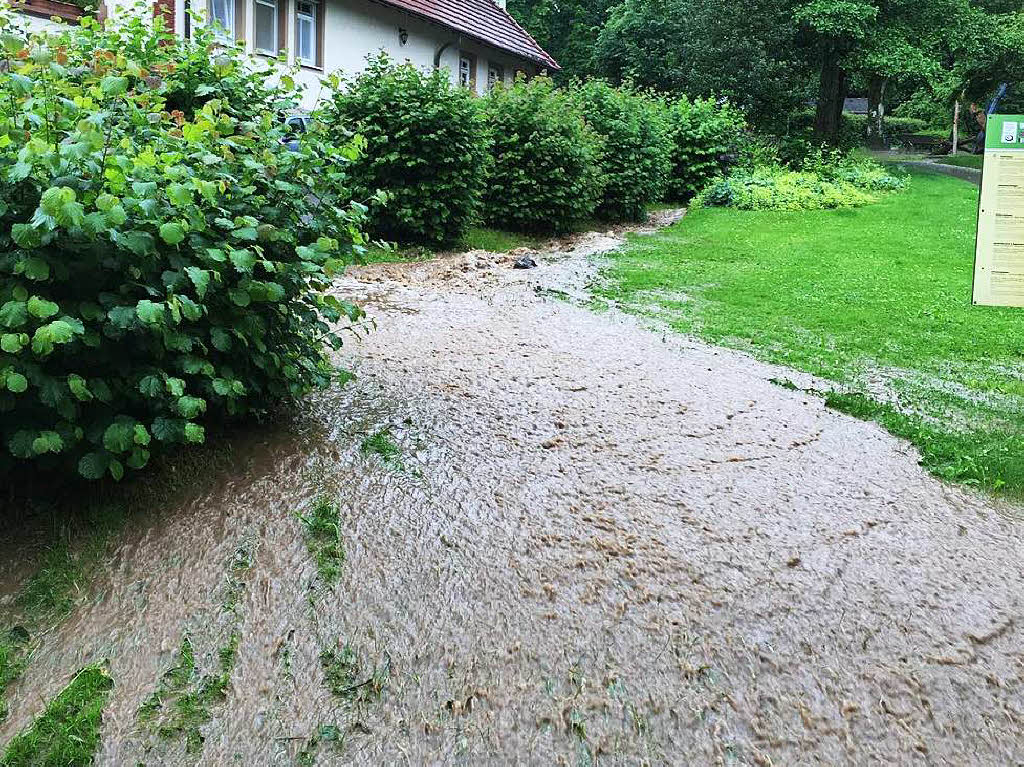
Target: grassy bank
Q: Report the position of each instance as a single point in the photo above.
(963, 160)
(876, 299)
(477, 238)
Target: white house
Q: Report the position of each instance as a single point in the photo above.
(477, 41)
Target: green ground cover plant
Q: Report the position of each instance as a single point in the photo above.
(545, 175)
(876, 299)
(162, 261)
(68, 731)
(817, 182)
(427, 147)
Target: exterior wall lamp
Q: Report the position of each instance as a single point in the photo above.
(403, 35)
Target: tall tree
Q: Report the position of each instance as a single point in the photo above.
(744, 50)
(567, 29)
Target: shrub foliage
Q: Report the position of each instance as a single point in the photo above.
(705, 138)
(545, 176)
(637, 153)
(426, 145)
(160, 264)
(824, 181)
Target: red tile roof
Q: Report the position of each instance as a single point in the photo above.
(482, 20)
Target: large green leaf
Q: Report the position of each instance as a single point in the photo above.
(26, 236)
(16, 382)
(41, 308)
(194, 433)
(12, 343)
(150, 312)
(139, 243)
(13, 314)
(79, 388)
(200, 278)
(119, 437)
(112, 85)
(36, 269)
(191, 407)
(47, 442)
(172, 232)
(93, 465)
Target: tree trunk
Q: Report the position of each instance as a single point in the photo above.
(832, 88)
(956, 126)
(876, 111)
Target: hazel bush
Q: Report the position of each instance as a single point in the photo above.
(426, 145)
(163, 256)
(637, 156)
(706, 137)
(546, 175)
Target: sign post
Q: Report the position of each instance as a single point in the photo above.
(999, 252)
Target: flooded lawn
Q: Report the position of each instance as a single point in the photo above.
(530, 533)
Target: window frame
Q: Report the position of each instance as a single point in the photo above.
(227, 31)
(275, 8)
(470, 59)
(315, 19)
(498, 70)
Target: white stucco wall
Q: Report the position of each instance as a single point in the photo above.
(355, 29)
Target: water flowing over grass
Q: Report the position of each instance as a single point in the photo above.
(68, 731)
(876, 300)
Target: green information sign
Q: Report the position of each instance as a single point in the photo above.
(999, 256)
(1004, 132)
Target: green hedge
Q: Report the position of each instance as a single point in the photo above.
(426, 146)
(637, 157)
(853, 128)
(162, 259)
(704, 137)
(545, 176)
(904, 125)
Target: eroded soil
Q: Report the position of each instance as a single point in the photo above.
(598, 544)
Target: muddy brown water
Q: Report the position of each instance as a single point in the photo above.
(601, 544)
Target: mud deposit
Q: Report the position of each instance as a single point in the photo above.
(585, 543)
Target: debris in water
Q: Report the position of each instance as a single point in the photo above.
(526, 262)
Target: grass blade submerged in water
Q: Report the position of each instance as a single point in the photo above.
(323, 538)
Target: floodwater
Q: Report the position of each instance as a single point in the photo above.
(599, 544)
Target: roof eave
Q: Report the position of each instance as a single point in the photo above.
(548, 62)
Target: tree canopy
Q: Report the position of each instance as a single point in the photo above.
(772, 57)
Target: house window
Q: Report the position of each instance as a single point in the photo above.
(222, 14)
(495, 75)
(306, 33)
(264, 18)
(467, 71)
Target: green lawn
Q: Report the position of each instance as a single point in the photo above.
(963, 160)
(876, 299)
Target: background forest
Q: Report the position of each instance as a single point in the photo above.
(776, 58)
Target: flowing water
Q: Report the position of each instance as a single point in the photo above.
(596, 544)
